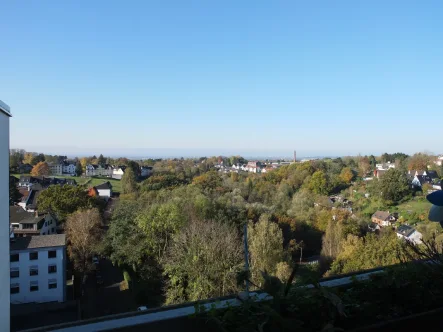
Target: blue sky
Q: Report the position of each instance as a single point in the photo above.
(209, 77)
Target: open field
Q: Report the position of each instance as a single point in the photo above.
(89, 181)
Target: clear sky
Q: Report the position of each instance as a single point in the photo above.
(321, 77)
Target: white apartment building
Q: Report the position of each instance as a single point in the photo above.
(38, 269)
(5, 114)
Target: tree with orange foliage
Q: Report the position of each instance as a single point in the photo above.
(41, 169)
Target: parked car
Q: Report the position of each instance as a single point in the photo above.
(142, 308)
(95, 260)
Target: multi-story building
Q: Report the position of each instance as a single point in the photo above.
(99, 170)
(68, 168)
(38, 269)
(5, 114)
(55, 168)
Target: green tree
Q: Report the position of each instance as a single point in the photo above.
(14, 194)
(159, 223)
(64, 200)
(318, 183)
(202, 262)
(129, 182)
(369, 252)
(126, 243)
(78, 169)
(394, 185)
(101, 160)
(265, 242)
(208, 181)
(38, 158)
(16, 157)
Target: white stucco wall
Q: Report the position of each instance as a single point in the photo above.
(44, 294)
(4, 217)
(105, 193)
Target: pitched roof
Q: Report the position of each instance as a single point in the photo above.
(382, 215)
(41, 241)
(104, 185)
(19, 216)
(421, 179)
(405, 230)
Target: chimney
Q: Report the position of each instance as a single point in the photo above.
(295, 156)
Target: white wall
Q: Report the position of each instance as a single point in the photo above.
(44, 294)
(106, 193)
(49, 227)
(4, 225)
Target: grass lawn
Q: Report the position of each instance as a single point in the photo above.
(415, 211)
(90, 182)
(116, 185)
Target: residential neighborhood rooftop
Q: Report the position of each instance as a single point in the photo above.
(405, 230)
(17, 215)
(34, 242)
(383, 215)
(104, 185)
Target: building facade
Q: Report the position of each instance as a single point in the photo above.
(68, 169)
(38, 269)
(55, 168)
(4, 215)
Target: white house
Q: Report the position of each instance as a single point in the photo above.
(38, 269)
(117, 172)
(5, 114)
(56, 168)
(104, 190)
(409, 233)
(28, 224)
(68, 168)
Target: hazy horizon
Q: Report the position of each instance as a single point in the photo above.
(137, 153)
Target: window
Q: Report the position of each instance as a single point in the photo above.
(33, 271)
(33, 286)
(15, 288)
(52, 283)
(15, 257)
(33, 256)
(28, 226)
(53, 229)
(52, 268)
(15, 273)
(52, 254)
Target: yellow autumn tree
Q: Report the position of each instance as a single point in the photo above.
(41, 169)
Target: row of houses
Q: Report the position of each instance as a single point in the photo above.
(417, 178)
(251, 166)
(115, 172)
(382, 219)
